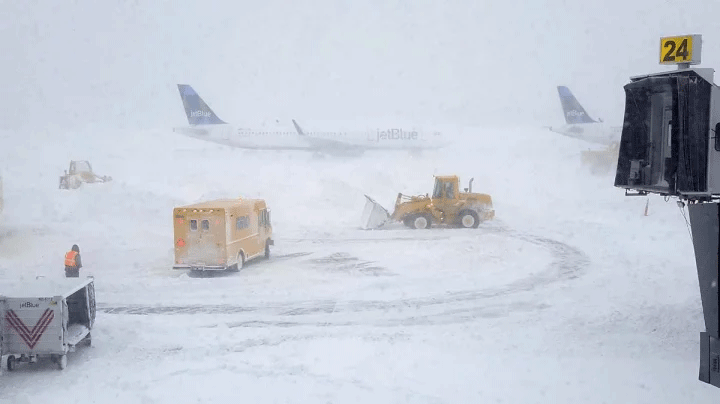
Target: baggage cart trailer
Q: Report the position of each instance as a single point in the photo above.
(45, 317)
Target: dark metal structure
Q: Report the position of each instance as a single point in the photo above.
(669, 146)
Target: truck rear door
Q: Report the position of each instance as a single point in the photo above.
(206, 239)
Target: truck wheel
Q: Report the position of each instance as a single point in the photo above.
(11, 363)
(421, 222)
(267, 250)
(469, 219)
(240, 262)
(62, 362)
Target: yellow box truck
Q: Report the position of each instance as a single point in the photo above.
(221, 234)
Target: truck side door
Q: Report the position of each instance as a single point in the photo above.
(262, 228)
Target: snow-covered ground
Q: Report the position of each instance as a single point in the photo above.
(572, 295)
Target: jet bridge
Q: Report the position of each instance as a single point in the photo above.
(669, 146)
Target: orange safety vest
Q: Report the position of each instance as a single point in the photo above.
(70, 259)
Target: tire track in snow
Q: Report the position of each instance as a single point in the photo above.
(567, 263)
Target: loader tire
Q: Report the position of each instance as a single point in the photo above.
(421, 221)
(469, 219)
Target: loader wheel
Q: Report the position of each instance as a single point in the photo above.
(469, 219)
(421, 222)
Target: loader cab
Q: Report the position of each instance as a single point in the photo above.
(79, 167)
(445, 188)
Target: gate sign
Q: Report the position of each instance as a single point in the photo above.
(680, 49)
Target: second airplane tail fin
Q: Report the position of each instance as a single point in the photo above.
(574, 112)
(298, 128)
(197, 111)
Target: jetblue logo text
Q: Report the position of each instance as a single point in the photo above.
(574, 113)
(29, 304)
(393, 134)
(198, 113)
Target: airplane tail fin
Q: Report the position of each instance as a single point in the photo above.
(197, 111)
(574, 112)
(298, 128)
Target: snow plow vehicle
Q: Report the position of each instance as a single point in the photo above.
(601, 161)
(79, 172)
(447, 206)
(45, 317)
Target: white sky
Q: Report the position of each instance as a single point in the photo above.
(84, 62)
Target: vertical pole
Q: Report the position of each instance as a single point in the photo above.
(705, 225)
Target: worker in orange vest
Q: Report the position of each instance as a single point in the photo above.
(72, 262)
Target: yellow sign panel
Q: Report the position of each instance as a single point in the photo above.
(680, 49)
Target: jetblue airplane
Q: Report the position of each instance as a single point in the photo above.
(579, 125)
(206, 125)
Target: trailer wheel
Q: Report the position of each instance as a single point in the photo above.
(62, 362)
(88, 340)
(11, 363)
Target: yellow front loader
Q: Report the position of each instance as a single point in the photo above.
(446, 207)
(601, 161)
(79, 172)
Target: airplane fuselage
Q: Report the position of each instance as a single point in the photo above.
(591, 132)
(331, 141)
(206, 125)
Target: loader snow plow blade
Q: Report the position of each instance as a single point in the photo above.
(374, 215)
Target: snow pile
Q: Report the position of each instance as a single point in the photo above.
(571, 294)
